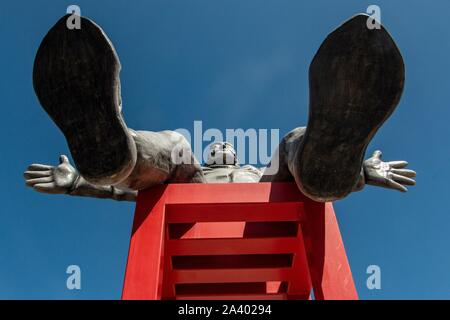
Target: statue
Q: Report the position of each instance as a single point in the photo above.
(356, 79)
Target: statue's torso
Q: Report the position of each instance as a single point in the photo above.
(230, 174)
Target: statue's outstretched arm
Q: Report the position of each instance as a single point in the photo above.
(65, 179)
(392, 174)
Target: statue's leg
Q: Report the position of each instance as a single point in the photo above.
(285, 160)
(284, 157)
(356, 80)
(76, 78)
(162, 157)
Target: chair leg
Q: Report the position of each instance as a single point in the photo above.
(329, 268)
(143, 277)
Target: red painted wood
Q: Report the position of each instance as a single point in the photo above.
(178, 221)
(283, 211)
(330, 271)
(217, 193)
(300, 284)
(232, 246)
(230, 275)
(143, 276)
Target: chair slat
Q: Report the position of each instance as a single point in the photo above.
(278, 211)
(231, 246)
(229, 275)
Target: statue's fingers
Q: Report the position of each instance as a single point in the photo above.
(63, 159)
(38, 167)
(377, 154)
(404, 172)
(395, 185)
(403, 179)
(33, 182)
(45, 187)
(36, 174)
(398, 164)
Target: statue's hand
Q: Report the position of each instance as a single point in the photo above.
(388, 174)
(49, 179)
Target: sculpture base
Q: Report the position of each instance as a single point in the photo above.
(235, 241)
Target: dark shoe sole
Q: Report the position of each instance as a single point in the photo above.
(356, 80)
(76, 78)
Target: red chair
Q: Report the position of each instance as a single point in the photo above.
(235, 241)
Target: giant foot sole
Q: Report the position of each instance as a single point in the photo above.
(76, 78)
(356, 79)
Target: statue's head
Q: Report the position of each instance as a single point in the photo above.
(220, 154)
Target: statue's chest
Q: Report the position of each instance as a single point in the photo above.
(230, 175)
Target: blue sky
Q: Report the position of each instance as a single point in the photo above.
(231, 64)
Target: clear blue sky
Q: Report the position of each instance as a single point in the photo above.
(197, 60)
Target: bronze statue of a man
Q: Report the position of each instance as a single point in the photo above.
(356, 79)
